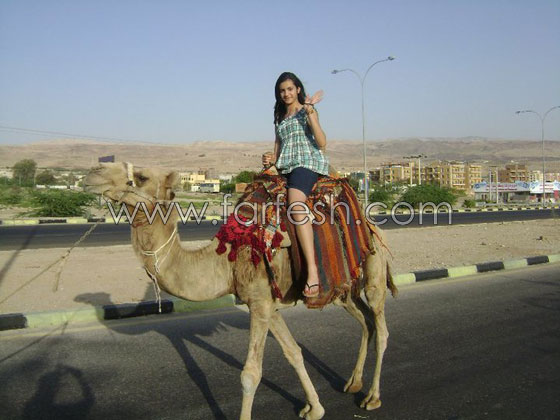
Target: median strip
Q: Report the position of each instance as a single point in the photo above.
(130, 310)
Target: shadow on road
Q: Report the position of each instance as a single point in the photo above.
(47, 402)
(184, 338)
(14, 256)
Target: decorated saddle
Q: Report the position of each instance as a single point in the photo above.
(342, 235)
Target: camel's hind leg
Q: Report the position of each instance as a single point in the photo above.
(313, 410)
(359, 310)
(378, 276)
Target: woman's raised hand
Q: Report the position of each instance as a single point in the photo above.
(316, 98)
(310, 102)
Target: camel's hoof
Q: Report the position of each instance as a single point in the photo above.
(370, 404)
(305, 410)
(309, 412)
(353, 385)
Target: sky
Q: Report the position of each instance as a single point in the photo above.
(173, 72)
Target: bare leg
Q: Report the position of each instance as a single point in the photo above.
(252, 371)
(305, 237)
(313, 410)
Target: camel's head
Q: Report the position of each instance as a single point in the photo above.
(122, 182)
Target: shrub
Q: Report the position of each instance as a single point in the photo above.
(383, 194)
(427, 193)
(11, 196)
(244, 176)
(468, 203)
(227, 188)
(60, 203)
(45, 178)
(354, 183)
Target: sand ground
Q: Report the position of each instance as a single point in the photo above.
(103, 275)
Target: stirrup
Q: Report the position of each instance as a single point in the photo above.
(310, 287)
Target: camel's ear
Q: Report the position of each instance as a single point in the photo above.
(171, 182)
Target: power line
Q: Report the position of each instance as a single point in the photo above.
(59, 133)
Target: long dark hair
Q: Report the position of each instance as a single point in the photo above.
(280, 107)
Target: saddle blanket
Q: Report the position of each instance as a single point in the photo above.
(342, 235)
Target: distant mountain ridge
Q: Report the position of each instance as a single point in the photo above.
(232, 157)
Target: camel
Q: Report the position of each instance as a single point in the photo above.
(202, 275)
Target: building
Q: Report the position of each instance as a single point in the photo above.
(193, 177)
(552, 176)
(199, 182)
(458, 175)
(453, 175)
(390, 173)
(517, 191)
(473, 175)
(514, 172)
(535, 176)
(432, 173)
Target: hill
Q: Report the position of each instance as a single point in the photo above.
(230, 157)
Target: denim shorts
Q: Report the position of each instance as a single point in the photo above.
(302, 179)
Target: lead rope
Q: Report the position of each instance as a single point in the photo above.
(61, 259)
(64, 258)
(157, 289)
(157, 265)
(154, 254)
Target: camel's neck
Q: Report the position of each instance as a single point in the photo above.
(196, 275)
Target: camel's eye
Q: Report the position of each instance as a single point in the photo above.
(141, 178)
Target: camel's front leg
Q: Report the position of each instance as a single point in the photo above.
(313, 410)
(252, 372)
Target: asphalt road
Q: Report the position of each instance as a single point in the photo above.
(61, 235)
(484, 347)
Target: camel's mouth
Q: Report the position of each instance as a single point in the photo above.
(96, 188)
(96, 184)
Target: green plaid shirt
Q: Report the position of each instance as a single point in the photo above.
(298, 147)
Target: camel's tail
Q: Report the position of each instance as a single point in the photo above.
(390, 285)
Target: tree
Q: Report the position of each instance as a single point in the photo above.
(383, 194)
(354, 183)
(227, 188)
(427, 193)
(244, 176)
(45, 178)
(24, 172)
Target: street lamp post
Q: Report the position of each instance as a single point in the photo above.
(496, 181)
(362, 81)
(419, 157)
(410, 166)
(542, 118)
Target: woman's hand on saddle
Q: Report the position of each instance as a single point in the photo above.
(267, 159)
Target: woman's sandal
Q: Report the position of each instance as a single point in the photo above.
(309, 288)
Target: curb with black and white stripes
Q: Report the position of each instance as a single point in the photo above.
(468, 270)
(130, 310)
